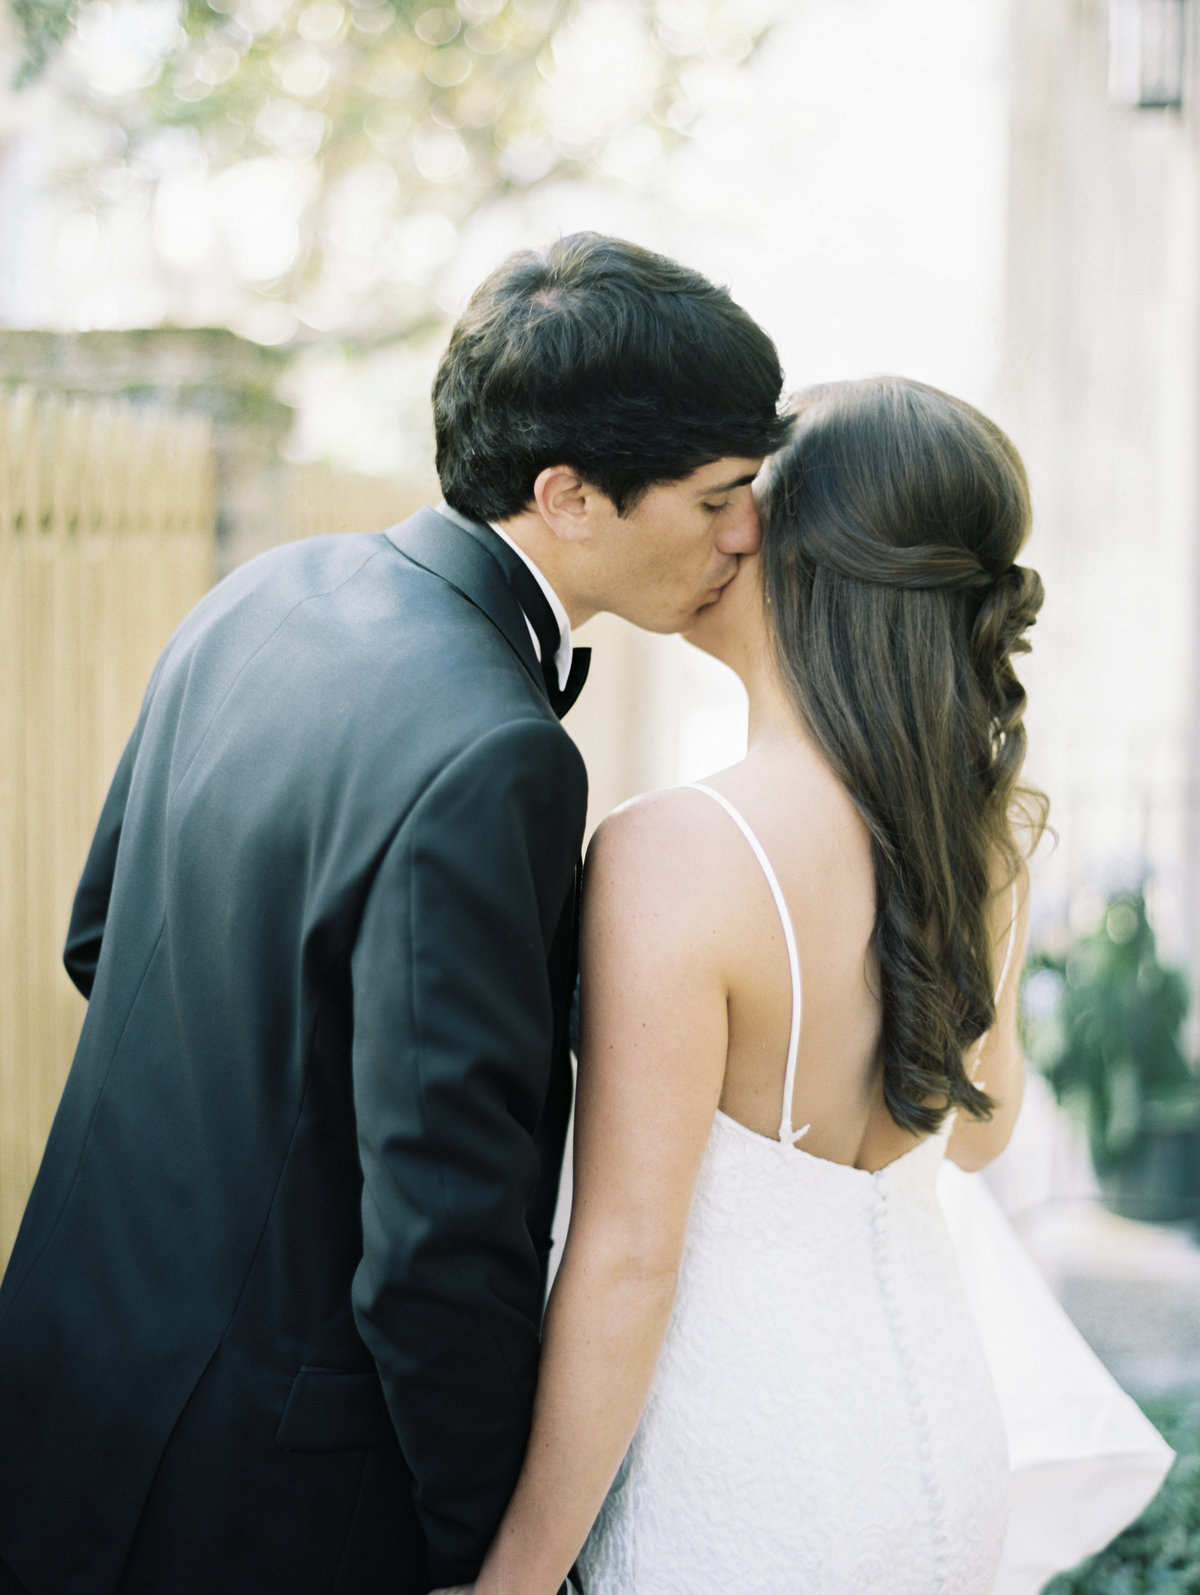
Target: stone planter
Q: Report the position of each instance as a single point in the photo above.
(1159, 1182)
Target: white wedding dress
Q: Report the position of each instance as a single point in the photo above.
(822, 1420)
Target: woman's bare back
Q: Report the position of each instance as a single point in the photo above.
(821, 853)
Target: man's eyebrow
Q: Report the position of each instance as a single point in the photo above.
(728, 487)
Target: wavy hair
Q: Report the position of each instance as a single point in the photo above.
(894, 515)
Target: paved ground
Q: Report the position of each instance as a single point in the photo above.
(1132, 1289)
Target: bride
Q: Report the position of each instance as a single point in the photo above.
(799, 994)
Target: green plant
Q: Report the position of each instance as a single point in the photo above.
(1160, 1553)
(1103, 1022)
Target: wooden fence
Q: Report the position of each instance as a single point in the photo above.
(107, 538)
(320, 499)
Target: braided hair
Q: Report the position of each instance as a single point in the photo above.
(893, 517)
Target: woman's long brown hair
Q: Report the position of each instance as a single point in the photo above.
(893, 516)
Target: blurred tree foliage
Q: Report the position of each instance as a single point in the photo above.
(388, 122)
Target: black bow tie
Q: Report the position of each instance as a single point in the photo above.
(561, 698)
(536, 607)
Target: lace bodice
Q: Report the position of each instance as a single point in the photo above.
(821, 1420)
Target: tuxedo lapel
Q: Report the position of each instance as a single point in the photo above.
(461, 558)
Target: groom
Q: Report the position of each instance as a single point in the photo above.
(271, 1323)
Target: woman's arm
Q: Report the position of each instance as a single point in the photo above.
(999, 1065)
(652, 1061)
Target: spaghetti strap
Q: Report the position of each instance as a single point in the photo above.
(972, 1063)
(1012, 942)
(787, 1135)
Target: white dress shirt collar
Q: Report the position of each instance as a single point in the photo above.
(562, 655)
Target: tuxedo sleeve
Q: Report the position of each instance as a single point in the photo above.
(90, 908)
(453, 1042)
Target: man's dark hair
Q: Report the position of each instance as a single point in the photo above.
(602, 356)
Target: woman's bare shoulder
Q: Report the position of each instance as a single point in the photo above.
(676, 818)
(672, 846)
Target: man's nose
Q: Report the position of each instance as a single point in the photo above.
(742, 534)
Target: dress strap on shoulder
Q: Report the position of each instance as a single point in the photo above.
(1012, 942)
(787, 1135)
(972, 1063)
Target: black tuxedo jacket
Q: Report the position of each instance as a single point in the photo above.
(271, 1322)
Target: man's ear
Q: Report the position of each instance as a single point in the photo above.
(567, 503)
